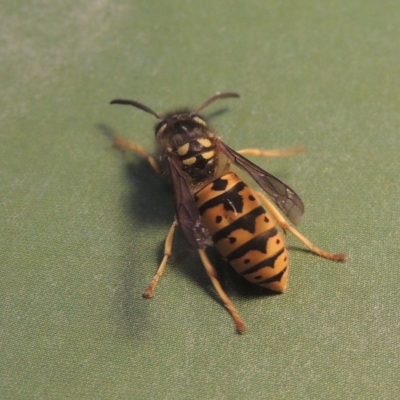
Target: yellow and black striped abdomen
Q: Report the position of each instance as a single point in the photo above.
(244, 232)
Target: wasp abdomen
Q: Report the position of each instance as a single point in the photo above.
(243, 231)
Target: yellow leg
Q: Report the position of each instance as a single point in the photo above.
(212, 273)
(286, 227)
(167, 253)
(126, 144)
(289, 152)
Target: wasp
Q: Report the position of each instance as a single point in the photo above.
(214, 207)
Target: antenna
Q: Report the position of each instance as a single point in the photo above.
(217, 96)
(137, 105)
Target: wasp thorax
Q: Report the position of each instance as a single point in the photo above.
(198, 159)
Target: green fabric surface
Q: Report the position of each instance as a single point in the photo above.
(82, 227)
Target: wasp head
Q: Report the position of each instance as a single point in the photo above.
(185, 134)
(180, 127)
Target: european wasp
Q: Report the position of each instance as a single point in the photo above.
(214, 207)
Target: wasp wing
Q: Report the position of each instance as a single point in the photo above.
(284, 197)
(187, 213)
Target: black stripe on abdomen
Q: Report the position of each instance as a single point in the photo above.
(272, 279)
(247, 222)
(267, 262)
(230, 199)
(259, 243)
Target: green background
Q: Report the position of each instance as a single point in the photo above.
(82, 226)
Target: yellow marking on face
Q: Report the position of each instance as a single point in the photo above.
(204, 142)
(162, 129)
(189, 161)
(199, 121)
(208, 155)
(183, 149)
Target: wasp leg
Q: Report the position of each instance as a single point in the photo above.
(126, 144)
(288, 152)
(167, 253)
(212, 273)
(286, 227)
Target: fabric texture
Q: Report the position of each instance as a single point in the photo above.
(83, 225)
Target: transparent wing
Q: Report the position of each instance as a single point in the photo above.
(187, 213)
(284, 197)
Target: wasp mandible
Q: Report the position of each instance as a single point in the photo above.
(214, 207)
